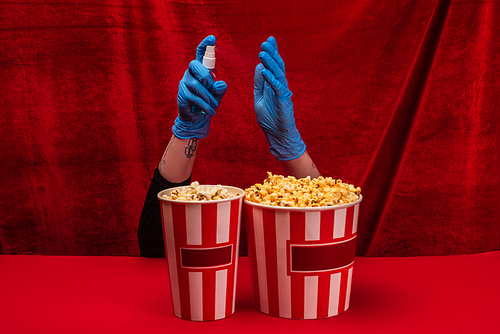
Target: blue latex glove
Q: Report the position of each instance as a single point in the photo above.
(273, 104)
(197, 87)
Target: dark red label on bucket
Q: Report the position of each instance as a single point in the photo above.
(206, 257)
(322, 257)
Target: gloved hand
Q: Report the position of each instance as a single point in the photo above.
(197, 87)
(273, 104)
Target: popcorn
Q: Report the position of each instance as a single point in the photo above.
(195, 192)
(278, 190)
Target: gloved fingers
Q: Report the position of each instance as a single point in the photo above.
(199, 95)
(270, 64)
(200, 50)
(271, 40)
(204, 94)
(279, 89)
(200, 82)
(272, 49)
(219, 89)
(202, 105)
(259, 80)
(201, 73)
(182, 101)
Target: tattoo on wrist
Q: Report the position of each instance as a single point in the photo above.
(190, 150)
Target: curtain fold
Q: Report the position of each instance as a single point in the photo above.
(383, 168)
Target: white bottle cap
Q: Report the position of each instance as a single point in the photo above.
(209, 57)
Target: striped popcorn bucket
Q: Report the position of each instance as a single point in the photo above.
(201, 244)
(301, 259)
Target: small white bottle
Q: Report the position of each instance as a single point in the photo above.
(209, 62)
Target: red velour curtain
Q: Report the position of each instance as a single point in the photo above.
(397, 97)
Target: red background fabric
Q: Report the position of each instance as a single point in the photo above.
(397, 97)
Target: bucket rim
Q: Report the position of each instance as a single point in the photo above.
(235, 190)
(304, 209)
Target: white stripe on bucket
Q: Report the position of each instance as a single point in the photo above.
(223, 219)
(333, 303)
(310, 297)
(284, 281)
(312, 225)
(220, 293)
(196, 295)
(171, 253)
(355, 223)
(193, 224)
(261, 255)
(348, 293)
(339, 223)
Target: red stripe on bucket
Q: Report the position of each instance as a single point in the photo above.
(323, 298)
(251, 249)
(209, 295)
(270, 247)
(326, 231)
(297, 234)
(349, 221)
(209, 224)
(343, 291)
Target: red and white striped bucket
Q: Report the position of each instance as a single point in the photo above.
(201, 244)
(302, 259)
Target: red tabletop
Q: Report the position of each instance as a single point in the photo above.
(76, 294)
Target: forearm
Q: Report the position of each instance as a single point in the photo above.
(177, 162)
(301, 167)
(150, 231)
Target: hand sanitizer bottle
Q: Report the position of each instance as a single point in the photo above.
(209, 62)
